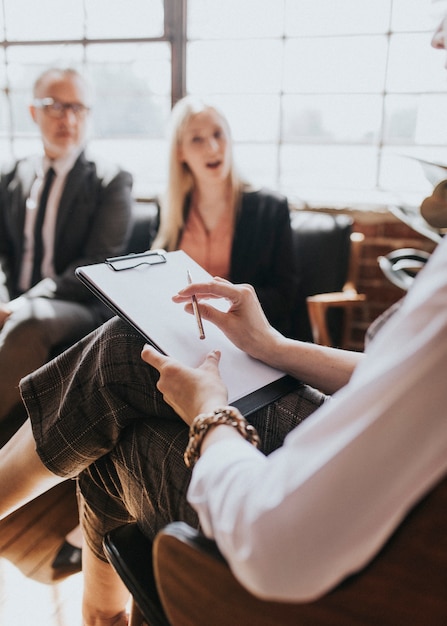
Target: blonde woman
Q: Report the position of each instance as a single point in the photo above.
(210, 212)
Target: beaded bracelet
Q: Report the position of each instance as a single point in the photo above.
(201, 424)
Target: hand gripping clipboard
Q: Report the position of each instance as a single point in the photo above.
(139, 288)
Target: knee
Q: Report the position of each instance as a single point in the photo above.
(116, 327)
(117, 339)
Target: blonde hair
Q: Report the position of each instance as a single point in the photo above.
(180, 183)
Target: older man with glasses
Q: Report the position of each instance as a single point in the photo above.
(58, 210)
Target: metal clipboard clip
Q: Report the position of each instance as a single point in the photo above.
(131, 261)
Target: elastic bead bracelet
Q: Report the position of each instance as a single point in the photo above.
(201, 424)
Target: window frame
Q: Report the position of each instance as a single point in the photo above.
(274, 169)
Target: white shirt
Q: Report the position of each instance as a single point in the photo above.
(61, 167)
(296, 523)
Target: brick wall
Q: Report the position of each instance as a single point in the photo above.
(383, 234)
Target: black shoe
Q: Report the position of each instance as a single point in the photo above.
(69, 557)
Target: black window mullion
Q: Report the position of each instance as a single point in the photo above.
(175, 29)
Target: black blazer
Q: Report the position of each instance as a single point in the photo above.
(262, 254)
(93, 223)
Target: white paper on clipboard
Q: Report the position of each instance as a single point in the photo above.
(142, 295)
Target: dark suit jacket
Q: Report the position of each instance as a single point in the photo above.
(93, 222)
(262, 254)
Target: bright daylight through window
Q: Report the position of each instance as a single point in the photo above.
(323, 107)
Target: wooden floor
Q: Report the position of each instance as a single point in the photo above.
(31, 592)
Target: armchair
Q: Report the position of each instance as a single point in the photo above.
(402, 266)
(319, 305)
(182, 580)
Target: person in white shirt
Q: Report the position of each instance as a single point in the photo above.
(352, 470)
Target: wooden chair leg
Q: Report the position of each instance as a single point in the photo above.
(317, 316)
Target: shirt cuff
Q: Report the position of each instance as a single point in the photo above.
(207, 487)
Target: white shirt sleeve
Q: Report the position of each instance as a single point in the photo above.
(294, 524)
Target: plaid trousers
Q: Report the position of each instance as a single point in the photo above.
(97, 416)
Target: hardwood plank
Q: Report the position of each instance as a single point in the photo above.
(30, 537)
(31, 592)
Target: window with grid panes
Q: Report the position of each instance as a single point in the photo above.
(125, 48)
(328, 101)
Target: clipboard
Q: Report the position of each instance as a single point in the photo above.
(139, 288)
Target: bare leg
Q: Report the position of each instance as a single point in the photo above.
(69, 555)
(74, 537)
(23, 476)
(105, 595)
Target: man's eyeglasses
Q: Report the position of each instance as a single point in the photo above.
(57, 109)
